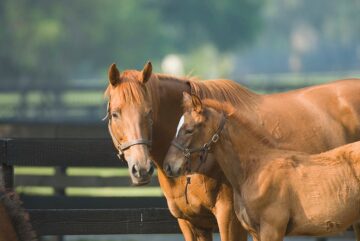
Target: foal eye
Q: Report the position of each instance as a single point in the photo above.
(189, 131)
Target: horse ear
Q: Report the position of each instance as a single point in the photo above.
(146, 72)
(114, 75)
(197, 104)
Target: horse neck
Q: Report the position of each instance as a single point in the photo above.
(169, 113)
(243, 146)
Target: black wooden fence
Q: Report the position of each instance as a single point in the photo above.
(66, 215)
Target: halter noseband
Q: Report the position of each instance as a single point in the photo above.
(205, 148)
(124, 146)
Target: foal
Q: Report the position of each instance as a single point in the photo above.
(276, 192)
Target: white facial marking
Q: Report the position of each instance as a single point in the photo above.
(181, 122)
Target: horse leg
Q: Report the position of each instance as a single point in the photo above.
(186, 230)
(193, 233)
(356, 227)
(229, 226)
(268, 232)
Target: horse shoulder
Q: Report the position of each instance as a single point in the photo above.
(269, 181)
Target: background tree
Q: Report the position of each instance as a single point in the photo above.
(50, 42)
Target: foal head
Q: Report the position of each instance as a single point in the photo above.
(199, 129)
(130, 114)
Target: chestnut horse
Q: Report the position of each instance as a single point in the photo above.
(276, 192)
(144, 109)
(14, 221)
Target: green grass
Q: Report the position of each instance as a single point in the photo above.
(94, 171)
(91, 191)
(46, 171)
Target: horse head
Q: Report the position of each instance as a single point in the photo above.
(130, 115)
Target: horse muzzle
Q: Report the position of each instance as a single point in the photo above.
(140, 175)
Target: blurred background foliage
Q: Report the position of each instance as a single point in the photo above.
(56, 41)
(51, 47)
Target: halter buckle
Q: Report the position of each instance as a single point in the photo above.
(215, 138)
(187, 153)
(206, 147)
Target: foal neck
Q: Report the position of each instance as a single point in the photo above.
(242, 146)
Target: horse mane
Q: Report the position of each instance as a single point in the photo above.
(243, 118)
(225, 90)
(19, 217)
(131, 90)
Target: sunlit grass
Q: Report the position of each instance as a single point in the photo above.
(96, 192)
(46, 171)
(95, 171)
(83, 98)
(41, 191)
(128, 191)
(115, 192)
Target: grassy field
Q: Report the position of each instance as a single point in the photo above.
(81, 191)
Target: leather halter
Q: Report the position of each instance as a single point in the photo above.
(206, 147)
(203, 151)
(121, 147)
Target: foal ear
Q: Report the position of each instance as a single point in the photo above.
(187, 101)
(114, 75)
(192, 102)
(146, 72)
(197, 104)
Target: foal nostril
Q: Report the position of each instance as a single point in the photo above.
(151, 169)
(135, 170)
(168, 170)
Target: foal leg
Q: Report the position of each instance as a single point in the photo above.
(193, 233)
(356, 227)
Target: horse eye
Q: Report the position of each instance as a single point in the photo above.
(114, 115)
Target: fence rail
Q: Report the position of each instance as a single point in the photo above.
(66, 215)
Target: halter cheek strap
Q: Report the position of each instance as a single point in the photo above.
(206, 147)
(124, 146)
(204, 150)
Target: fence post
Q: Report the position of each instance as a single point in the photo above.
(8, 176)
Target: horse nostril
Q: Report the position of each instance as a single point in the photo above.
(151, 169)
(135, 170)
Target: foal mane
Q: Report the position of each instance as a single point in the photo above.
(244, 119)
(225, 91)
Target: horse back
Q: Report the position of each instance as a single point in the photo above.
(314, 119)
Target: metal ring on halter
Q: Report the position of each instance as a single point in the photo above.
(187, 152)
(215, 137)
(206, 147)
